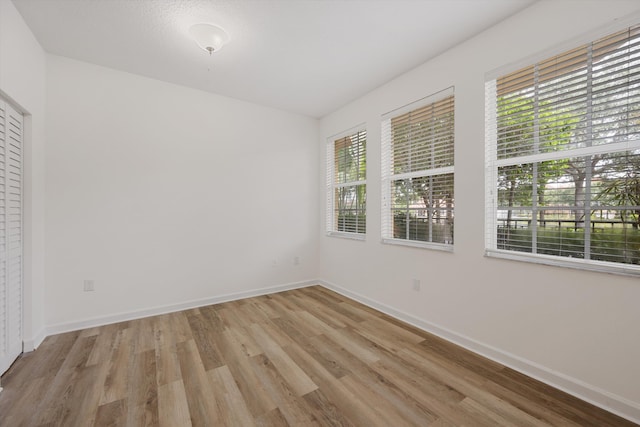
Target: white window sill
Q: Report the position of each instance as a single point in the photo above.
(417, 244)
(345, 235)
(580, 264)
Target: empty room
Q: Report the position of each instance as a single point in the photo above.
(319, 212)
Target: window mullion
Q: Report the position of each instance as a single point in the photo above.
(350, 184)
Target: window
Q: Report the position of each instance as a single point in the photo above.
(347, 184)
(563, 158)
(417, 173)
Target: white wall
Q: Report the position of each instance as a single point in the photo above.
(165, 195)
(22, 80)
(576, 329)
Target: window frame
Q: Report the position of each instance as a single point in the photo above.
(492, 162)
(388, 177)
(333, 186)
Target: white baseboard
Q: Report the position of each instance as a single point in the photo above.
(587, 392)
(153, 311)
(34, 342)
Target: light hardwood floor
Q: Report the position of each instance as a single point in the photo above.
(300, 358)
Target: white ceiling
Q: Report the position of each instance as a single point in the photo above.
(304, 56)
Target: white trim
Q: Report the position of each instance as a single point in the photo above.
(589, 393)
(490, 173)
(34, 342)
(386, 219)
(445, 247)
(346, 235)
(422, 173)
(350, 184)
(330, 174)
(560, 261)
(154, 311)
(567, 153)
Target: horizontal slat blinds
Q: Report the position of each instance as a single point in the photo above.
(346, 183)
(563, 155)
(418, 172)
(11, 133)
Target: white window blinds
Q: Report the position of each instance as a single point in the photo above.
(346, 184)
(11, 134)
(563, 157)
(418, 173)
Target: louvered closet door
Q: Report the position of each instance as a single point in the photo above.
(11, 133)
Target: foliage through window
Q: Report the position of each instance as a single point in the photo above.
(563, 155)
(347, 186)
(418, 172)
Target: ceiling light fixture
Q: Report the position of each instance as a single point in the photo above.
(209, 37)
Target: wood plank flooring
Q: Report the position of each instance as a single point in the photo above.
(307, 357)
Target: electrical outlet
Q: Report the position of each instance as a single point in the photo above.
(416, 285)
(89, 286)
(296, 260)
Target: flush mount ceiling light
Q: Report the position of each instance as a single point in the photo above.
(209, 37)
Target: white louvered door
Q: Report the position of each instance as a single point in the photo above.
(11, 135)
